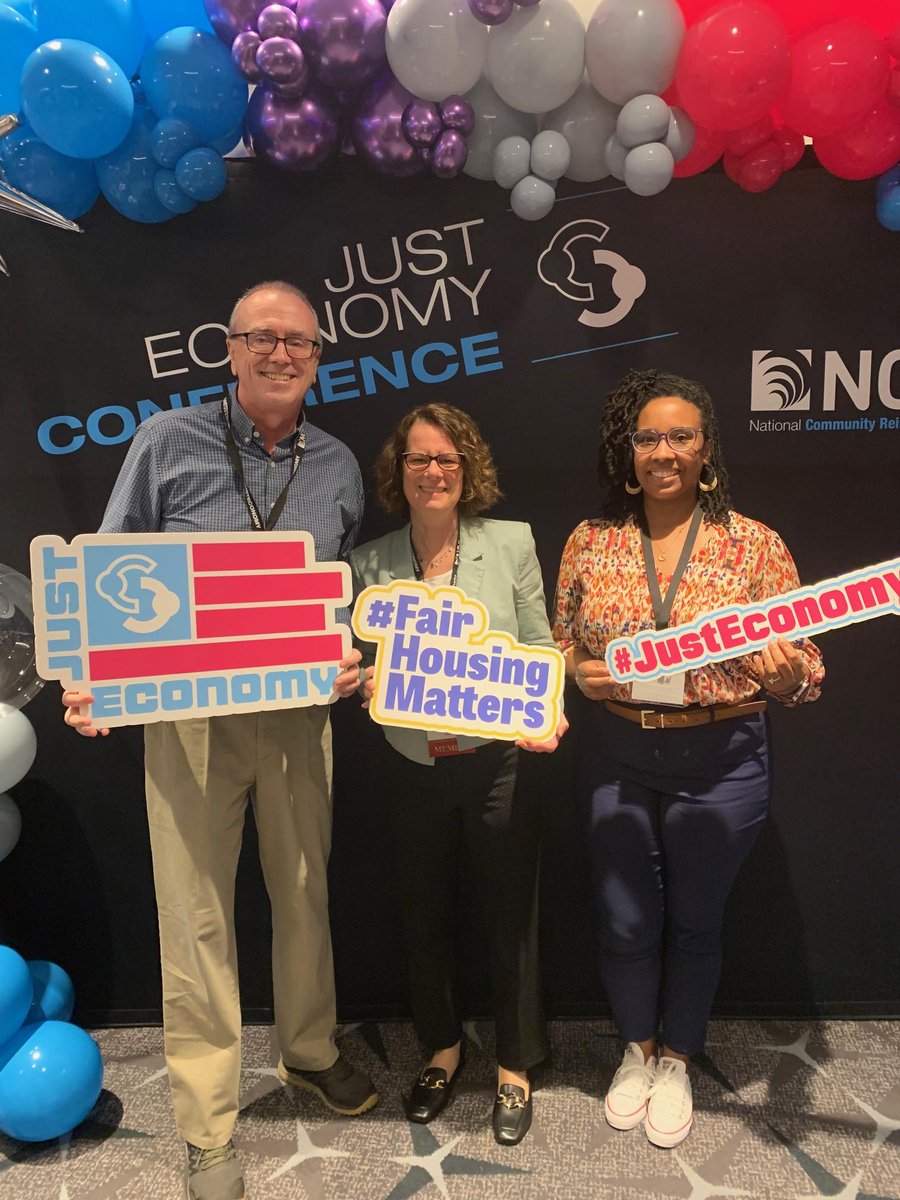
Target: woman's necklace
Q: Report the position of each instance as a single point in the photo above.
(668, 543)
(428, 564)
(432, 563)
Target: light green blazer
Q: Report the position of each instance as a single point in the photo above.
(498, 565)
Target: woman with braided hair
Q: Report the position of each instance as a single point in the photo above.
(673, 774)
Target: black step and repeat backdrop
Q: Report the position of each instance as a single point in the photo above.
(785, 305)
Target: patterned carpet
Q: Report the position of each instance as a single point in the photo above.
(783, 1112)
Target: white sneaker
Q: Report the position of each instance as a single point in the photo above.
(670, 1104)
(626, 1101)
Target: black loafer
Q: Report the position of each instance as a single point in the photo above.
(430, 1093)
(512, 1114)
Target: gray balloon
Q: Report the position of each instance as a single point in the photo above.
(10, 825)
(585, 121)
(532, 198)
(550, 155)
(494, 121)
(631, 47)
(614, 153)
(648, 169)
(512, 159)
(681, 134)
(643, 119)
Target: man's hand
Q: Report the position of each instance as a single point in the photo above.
(352, 676)
(78, 713)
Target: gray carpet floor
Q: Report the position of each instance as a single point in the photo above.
(784, 1111)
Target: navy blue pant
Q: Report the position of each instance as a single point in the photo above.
(671, 816)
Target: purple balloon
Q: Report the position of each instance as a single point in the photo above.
(457, 113)
(491, 12)
(377, 129)
(299, 135)
(449, 154)
(343, 40)
(421, 123)
(277, 21)
(243, 55)
(231, 17)
(281, 61)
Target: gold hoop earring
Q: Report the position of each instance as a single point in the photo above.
(633, 490)
(708, 487)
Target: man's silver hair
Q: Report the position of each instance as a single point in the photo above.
(277, 285)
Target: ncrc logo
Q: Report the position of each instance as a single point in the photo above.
(788, 381)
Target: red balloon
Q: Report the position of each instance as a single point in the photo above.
(893, 41)
(839, 71)
(893, 87)
(742, 141)
(800, 16)
(731, 164)
(761, 168)
(792, 145)
(734, 65)
(867, 148)
(707, 149)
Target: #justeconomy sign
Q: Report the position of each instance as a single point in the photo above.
(164, 626)
(438, 667)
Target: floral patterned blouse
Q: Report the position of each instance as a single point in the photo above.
(602, 594)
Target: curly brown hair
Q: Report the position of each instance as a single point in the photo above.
(479, 488)
(615, 458)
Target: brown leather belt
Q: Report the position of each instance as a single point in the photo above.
(649, 718)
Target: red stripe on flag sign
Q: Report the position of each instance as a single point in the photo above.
(267, 589)
(286, 618)
(148, 662)
(248, 556)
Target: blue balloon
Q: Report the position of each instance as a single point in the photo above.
(24, 7)
(54, 993)
(231, 139)
(15, 992)
(170, 194)
(201, 174)
(126, 176)
(171, 139)
(189, 74)
(888, 209)
(77, 101)
(888, 180)
(18, 39)
(113, 26)
(50, 1081)
(68, 185)
(159, 16)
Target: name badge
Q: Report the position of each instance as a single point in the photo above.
(443, 747)
(666, 689)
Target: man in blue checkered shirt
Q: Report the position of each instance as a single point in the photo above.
(254, 462)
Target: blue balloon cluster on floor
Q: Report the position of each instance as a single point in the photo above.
(51, 1072)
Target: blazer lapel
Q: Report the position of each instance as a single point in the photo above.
(471, 558)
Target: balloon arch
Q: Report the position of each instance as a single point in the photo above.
(140, 99)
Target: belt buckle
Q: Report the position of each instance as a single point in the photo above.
(645, 713)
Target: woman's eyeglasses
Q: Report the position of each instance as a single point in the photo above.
(681, 438)
(421, 462)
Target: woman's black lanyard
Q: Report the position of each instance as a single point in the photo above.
(234, 454)
(662, 608)
(417, 566)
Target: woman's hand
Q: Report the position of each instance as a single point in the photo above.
(78, 713)
(592, 675)
(779, 668)
(352, 675)
(550, 744)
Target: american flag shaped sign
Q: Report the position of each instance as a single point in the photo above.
(163, 626)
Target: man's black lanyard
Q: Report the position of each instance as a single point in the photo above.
(662, 608)
(417, 566)
(234, 454)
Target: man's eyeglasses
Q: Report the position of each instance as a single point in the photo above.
(679, 439)
(265, 343)
(421, 462)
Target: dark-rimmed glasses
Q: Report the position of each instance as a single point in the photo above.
(421, 462)
(679, 439)
(297, 346)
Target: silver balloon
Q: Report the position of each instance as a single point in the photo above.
(10, 825)
(19, 680)
(614, 153)
(435, 48)
(648, 169)
(586, 120)
(511, 161)
(550, 155)
(532, 198)
(18, 746)
(535, 60)
(681, 134)
(494, 121)
(632, 47)
(643, 119)
(14, 201)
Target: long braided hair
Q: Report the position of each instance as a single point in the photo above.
(616, 456)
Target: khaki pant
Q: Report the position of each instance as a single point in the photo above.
(199, 776)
